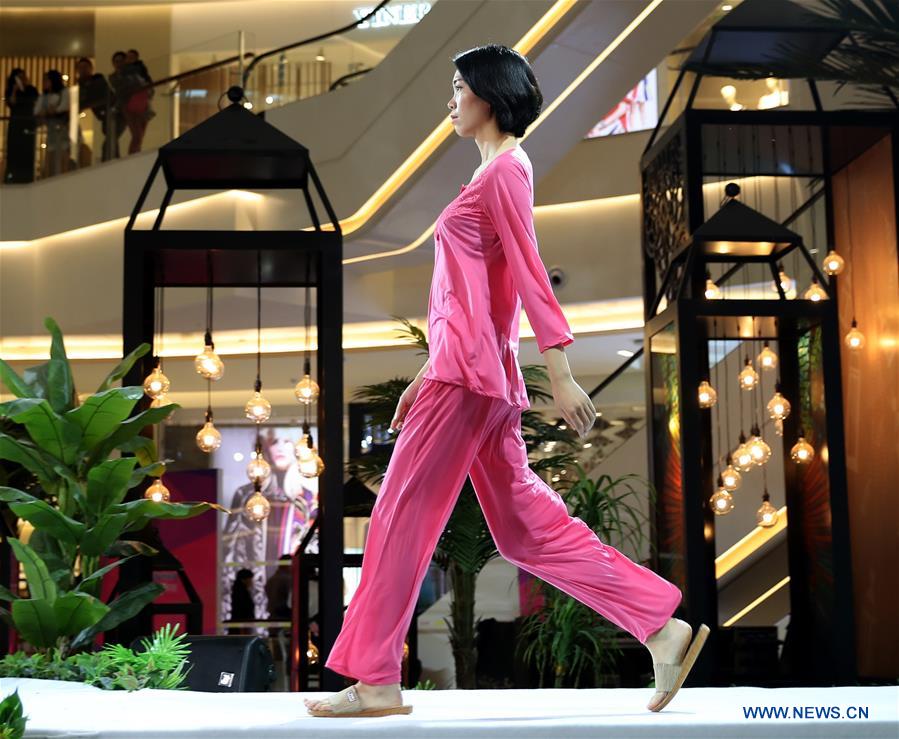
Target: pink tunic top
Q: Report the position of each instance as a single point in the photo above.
(486, 264)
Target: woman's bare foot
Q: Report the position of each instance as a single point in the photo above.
(373, 696)
(668, 645)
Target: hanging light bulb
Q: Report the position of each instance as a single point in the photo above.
(815, 293)
(741, 458)
(802, 452)
(310, 464)
(208, 363)
(758, 447)
(157, 492)
(786, 282)
(156, 383)
(722, 501)
(767, 358)
(855, 339)
(730, 478)
(208, 438)
(707, 395)
(258, 468)
(712, 291)
(307, 389)
(767, 514)
(833, 263)
(778, 406)
(311, 651)
(258, 409)
(160, 400)
(748, 377)
(257, 507)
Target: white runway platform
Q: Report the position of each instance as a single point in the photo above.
(60, 709)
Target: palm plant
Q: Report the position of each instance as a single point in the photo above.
(564, 637)
(466, 544)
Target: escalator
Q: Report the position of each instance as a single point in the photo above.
(385, 136)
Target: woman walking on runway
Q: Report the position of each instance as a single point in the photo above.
(461, 416)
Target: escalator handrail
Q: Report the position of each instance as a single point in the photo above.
(313, 39)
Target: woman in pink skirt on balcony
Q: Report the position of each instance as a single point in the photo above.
(461, 416)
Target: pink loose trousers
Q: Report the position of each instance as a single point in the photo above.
(448, 433)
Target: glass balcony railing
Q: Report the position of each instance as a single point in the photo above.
(85, 120)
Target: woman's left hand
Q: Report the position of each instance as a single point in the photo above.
(575, 405)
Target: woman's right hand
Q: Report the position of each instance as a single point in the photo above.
(404, 404)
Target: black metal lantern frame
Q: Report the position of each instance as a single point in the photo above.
(679, 242)
(236, 149)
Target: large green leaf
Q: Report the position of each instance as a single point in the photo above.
(123, 367)
(77, 611)
(62, 387)
(107, 483)
(51, 432)
(98, 574)
(127, 547)
(141, 511)
(35, 621)
(128, 431)
(15, 384)
(121, 609)
(40, 584)
(100, 415)
(7, 594)
(99, 537)
(153, 470)
(28, 456)
(55, 556)
(46, 517)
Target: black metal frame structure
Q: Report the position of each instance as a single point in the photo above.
(235, 149)
(675, 238)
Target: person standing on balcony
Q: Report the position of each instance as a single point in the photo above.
(20, 96)
(52, 110)
(137, 91)
(95, 94)
(461, 416)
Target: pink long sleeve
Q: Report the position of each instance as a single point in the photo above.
(508, 200)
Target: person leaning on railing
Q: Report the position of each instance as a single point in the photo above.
(94, 93)
(20, 96)
(52, 110)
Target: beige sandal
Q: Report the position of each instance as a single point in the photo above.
(670, 677)
(349, 704)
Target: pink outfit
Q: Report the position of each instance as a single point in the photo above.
(466, 421)
(486, 263)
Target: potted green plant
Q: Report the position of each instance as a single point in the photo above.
(563, 637)
(75, 497)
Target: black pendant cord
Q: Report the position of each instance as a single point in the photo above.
(760, 394)
(849, 242)
(307, 364)
(258, 385)
(726, 391)
(208, 400)
(720, 456)
(208, 337)
(161, 322)
(811, 211)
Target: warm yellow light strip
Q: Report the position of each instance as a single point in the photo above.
(761, 599)
(756, 538)
(143, 218)
(595, 317)
(445, 128)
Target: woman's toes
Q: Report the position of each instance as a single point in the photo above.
(656, 699)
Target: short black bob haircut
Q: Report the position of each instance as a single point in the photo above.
(503, 78)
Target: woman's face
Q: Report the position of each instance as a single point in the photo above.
(281, 452)
(468, 112)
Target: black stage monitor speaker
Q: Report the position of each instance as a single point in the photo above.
(226, 664)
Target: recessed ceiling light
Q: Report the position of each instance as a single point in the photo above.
(727, 8)
(625, 353)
